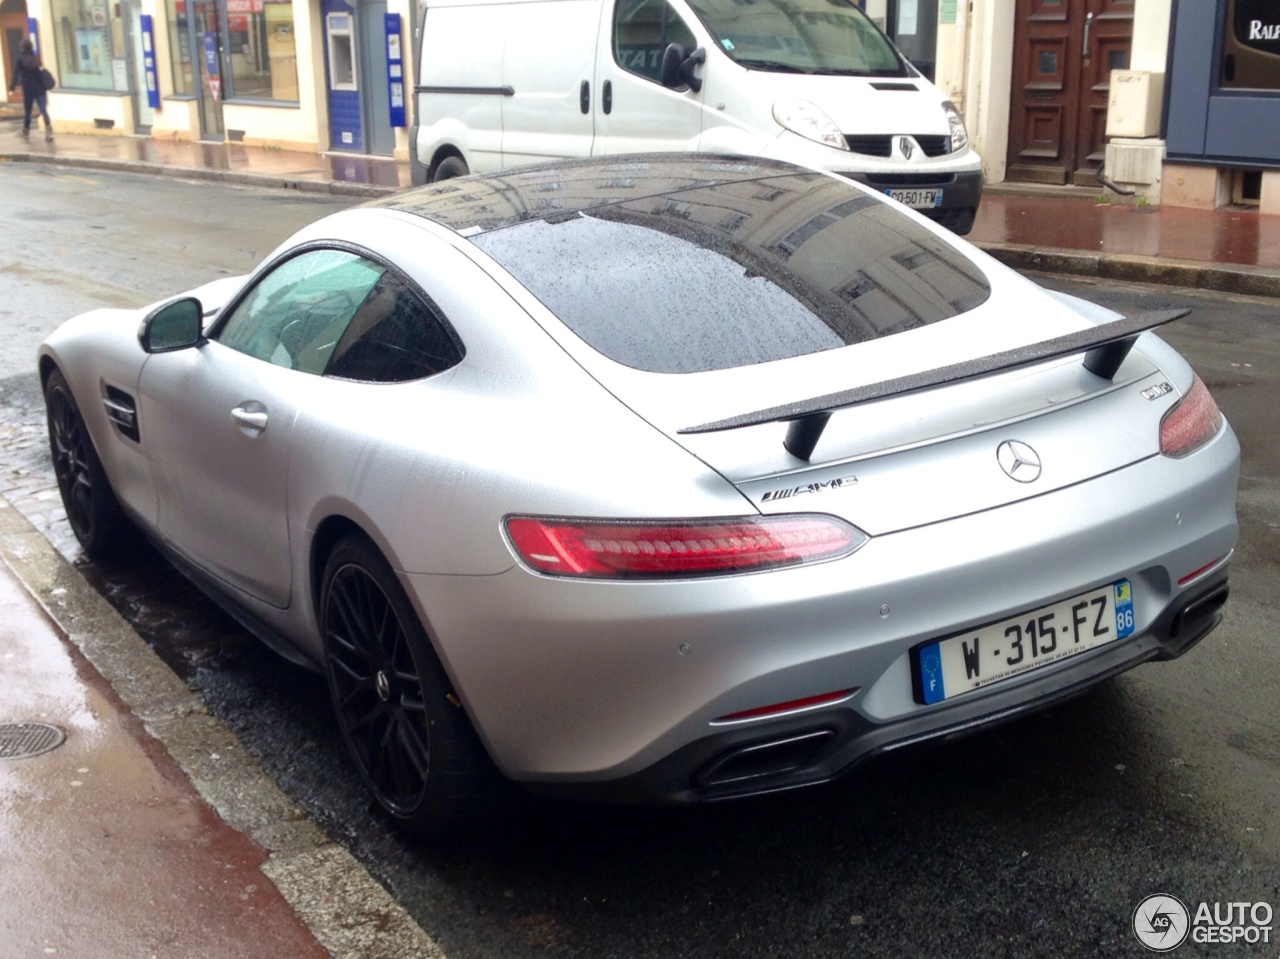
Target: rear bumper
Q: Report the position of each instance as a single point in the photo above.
(820, 746)
(630, 689)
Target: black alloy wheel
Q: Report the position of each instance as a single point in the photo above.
(411, 741)
(94, 513)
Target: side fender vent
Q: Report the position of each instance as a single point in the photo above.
(122, 411)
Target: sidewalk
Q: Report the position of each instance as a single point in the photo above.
(1066, 231)
(108, 850)
(1230, 250)
(148, 831)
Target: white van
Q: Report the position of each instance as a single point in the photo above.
(507, 82)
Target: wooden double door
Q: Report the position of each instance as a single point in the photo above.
(1064, 52)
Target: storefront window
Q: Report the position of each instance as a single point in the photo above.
(1251, 45)
(264, 62)
(253, 39)
(90, 45)
(180, 47)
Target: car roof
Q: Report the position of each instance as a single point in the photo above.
(480, 204)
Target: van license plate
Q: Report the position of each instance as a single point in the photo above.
(961, 664)
(920, 199)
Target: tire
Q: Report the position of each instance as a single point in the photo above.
(92, 508)
(404, 728)
(448, 168)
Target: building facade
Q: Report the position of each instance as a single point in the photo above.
(310, 75)
(1177, 100)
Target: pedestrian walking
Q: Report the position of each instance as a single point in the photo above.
(30, 73)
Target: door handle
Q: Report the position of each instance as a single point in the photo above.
(1088, 22)
(584, 97)
(253, 420)
(608, 96)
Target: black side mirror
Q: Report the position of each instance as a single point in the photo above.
(175, 325)
(678, 65)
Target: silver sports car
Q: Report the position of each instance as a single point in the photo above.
(654, 479)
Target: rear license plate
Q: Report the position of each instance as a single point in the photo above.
(920, 199)
(958, 665)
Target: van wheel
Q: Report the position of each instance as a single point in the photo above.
(448, 168)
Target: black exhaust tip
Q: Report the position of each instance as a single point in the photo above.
(1199, 611)
(758, 760)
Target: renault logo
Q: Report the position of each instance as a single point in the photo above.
(905, 145)
(1019, 460)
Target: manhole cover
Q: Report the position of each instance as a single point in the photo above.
(20, 740)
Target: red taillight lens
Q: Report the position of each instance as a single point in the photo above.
(1193, 421)
(618, 549)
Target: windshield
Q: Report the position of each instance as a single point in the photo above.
(800, 36)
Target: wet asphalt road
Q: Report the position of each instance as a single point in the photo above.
(1037, 838)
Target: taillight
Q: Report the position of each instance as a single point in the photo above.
(622, 549)
(1191, 422)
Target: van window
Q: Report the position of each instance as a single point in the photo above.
(831, 37)
(642, 29)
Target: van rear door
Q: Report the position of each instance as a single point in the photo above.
(635, 113)
(548, 66)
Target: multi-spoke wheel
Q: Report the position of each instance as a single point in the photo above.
(91, 506)
(409, 737)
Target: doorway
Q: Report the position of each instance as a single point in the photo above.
(138, 47)
(207, 52)
(13, 28)
(371, 16)
(1063, 55)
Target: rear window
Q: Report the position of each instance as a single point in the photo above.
(737, 274)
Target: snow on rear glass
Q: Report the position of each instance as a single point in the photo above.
(737, 274)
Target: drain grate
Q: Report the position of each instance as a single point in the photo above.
(20, 740)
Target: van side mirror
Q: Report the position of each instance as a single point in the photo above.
(175, 325)
(678, 65)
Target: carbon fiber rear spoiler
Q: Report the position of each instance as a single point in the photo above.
(1105, 347)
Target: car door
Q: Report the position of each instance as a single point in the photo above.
(219, 419)
(635, 113)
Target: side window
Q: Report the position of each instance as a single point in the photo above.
(395, 336)
(297, 313)
(642, 29)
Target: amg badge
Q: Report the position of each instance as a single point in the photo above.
(776, 494)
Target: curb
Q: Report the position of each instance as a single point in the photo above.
(346, 909)
(299, 184)
(1131, 268)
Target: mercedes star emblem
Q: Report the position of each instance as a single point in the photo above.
(1019, 460)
